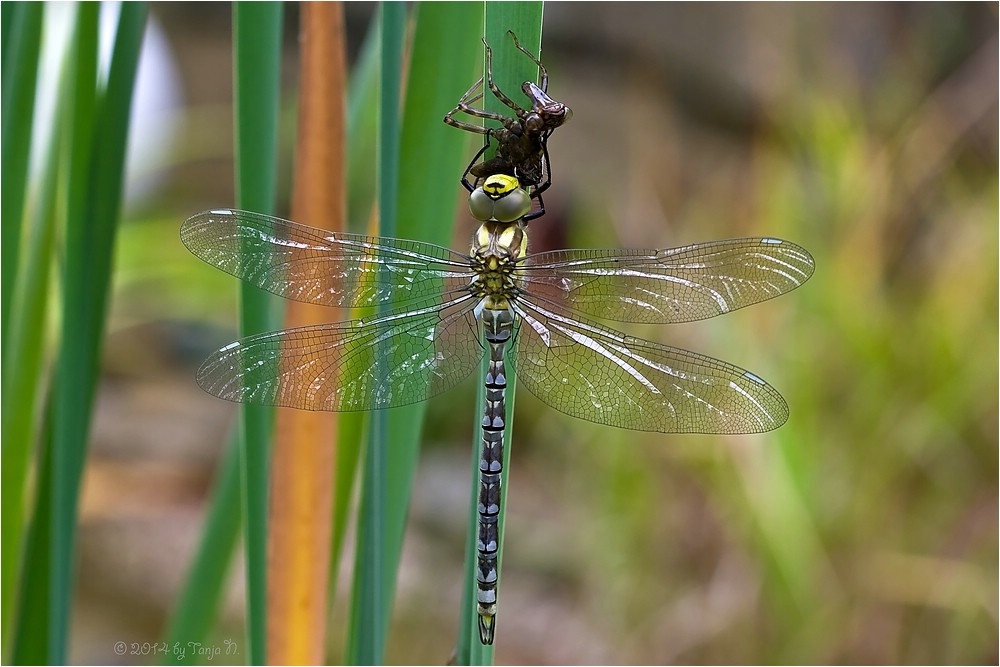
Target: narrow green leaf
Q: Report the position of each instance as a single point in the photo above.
(371, 599)
(22, 39)
(257, 68)
(361, 141)
(434, 155)
(97, 154)
(437, 74)
(510, 69)
(428, 147)
(72, 388)
(77, 357)
(199, 602)
(362, 98)
(23, 374)
(24, 286)
(30, 629)
(362, 132)
(32, 618)
(8, 11)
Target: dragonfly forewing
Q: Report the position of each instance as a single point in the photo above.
(366, 364)
(667, 286)
(322, 267)
(598, 374)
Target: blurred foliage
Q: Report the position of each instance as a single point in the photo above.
(75, 198)
(864, 530)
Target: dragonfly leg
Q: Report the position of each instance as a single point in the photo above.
(465, 106)
(496, 89)
(465, 177)
(536, 192)
(477, 113)
(541, 68)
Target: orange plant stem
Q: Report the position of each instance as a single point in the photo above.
(302, 471)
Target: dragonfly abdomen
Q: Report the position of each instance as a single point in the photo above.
(497, 327)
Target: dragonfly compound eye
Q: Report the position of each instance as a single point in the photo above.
(500, 198)
(534, 123)
(512, 206)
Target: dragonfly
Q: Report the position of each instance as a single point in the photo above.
(522, 141)
(438, 314)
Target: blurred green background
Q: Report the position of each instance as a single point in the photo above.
(863, 531)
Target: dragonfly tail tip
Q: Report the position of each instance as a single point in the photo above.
(487, 629)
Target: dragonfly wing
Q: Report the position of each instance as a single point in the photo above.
(601, 375)
(384, 362)
(323, 267)
(667, 286)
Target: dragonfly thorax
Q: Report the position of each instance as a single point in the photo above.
(497, 244)
(496, 248)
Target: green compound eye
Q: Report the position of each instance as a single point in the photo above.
(512, 206)
(509, 207)
(500, 198)
(481, 205)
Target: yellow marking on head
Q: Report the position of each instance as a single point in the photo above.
(498, 185)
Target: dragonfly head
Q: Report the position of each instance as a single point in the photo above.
(546, 113)
(500, 198)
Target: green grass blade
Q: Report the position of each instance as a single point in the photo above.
(441, 71)
(371, 600)
(97, 155)
(30, 624)
(393, 29)
(428, 146)
(22, 39)
(23, 374)
(510, 69)
(361, 137)
(437, 72)
(362, 98)
(257, 69)
(25, 288)
(8, 11)
(75, 367)
(199, 602)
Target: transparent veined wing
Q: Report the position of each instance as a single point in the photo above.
(367, 364)
(598, 374)
(693, 282)
(322, 267)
